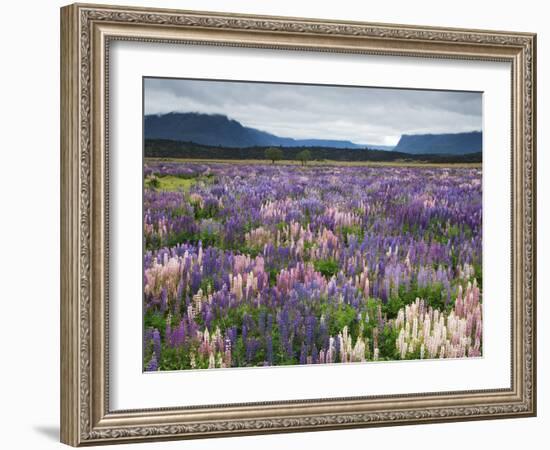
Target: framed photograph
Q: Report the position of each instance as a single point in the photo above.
(278, 224)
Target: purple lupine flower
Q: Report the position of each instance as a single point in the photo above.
(208, 317)
(314, 354)
(269, 349)
(310, 330)
(252, 346)
(261, 322)
(156, 343)
(168, 334)
(303, 354)
(164, 300)
(152, 366)
(147, 337)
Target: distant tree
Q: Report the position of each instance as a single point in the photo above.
(274, 154)
(304, 156)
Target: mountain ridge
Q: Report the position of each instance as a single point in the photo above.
(198, 128)
(444, 143)
(222, 131)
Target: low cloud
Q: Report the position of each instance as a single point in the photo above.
(359, 114)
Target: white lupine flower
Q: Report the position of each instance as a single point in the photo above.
(211, 361)
(438, 334)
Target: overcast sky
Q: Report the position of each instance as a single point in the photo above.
(361, 115)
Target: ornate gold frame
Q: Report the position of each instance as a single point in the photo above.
(86, 31)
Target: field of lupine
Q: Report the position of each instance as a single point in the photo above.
(260, 264)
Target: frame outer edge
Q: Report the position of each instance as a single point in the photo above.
(69, 183)
(79, 411)
(533, 224)
(535, 158)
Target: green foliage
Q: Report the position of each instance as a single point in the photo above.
(392, 306)
(241, 248)
(207, 212)
(250, 225)
(479, 275)
(444, 233)
(355, 230)
(174, 359)
(327, 267)
(152, 242)
(175, 183)
(281, 226)
(345, 315)
(207, 282)
(152, 182)
(386, 344)
(209, 239)
(408, 228)
(273, 277)
(173, 239)
(304, 156)
(434, 295)
(178, 238)
(274, 154)
(155, 320)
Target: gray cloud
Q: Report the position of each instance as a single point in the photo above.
(359, 114)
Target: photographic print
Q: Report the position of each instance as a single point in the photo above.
(291, 224)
